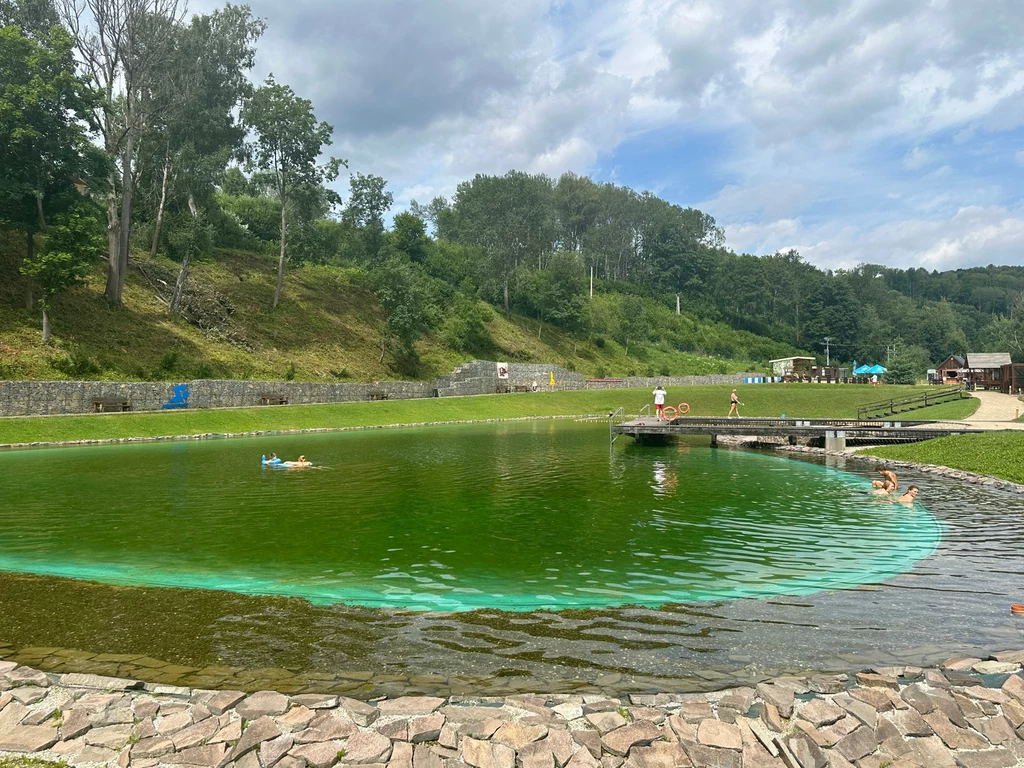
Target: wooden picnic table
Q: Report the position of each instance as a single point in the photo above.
(377, 395)
(110, 404)
(273, 398)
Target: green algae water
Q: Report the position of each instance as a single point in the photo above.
(518, 517)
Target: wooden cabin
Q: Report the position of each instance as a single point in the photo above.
(952, 370)
(793, 368)
(986, 369)
(1013, 379)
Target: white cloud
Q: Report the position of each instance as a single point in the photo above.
(1019, 157)
(917, 159)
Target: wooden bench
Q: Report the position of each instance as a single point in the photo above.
(502, 389)
(273, 398)
(522, 388)
(377, 395)
(110, 404)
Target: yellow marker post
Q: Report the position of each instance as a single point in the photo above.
(551, 378)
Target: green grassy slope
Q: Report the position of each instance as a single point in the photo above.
(997, 454)
(326, 327)
(804, 400)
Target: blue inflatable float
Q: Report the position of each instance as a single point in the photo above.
(272, 463)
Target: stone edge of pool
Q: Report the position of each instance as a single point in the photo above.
(967, 712)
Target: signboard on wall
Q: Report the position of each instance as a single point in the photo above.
(502, 370)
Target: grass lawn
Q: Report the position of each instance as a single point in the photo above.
(998, 454)
(795, 400)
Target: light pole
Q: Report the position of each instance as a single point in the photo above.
(828, 358)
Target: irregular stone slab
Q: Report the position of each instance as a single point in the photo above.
(28, 694)
(196, 735)
(599, 704)
(998, 730)
(178, 691)
(960, 663)
(872, 680)
(996, 667)
(318, 700)
(714, 733)
(560, 743)
(251, 760)
(990, 758)
(583, 759)
(945, 704)
(1014, 686)
(910, 723)
(517, 735)
(535, 755)
(589, 740)
(621, 740)
(612, 761)
(296, 718)
(486, 754)
(173, 723)
(145, 708)
(111, 736)
(916, 696)
(291, 762)
(361, 713)
(781, 697)
(468, 714)
(661, 754)
(761, 734)
(40, 715)
(426, 728)
(770, 717)
(683, 730)
(1014, 657)
(755, 756)
(99, 682)
(828, 683)
(28, 738)
(263, 729)
(821, 712)
(410, 705)
(813, 733)
(209, 756)
(605, 722)
(709, 757)
(931, 752)
(569, 711)
(401, 756)
(321, 755)
(424, 756)
(859, 709)
(981, 693)
(695, 711)
(157, 746)
(76, 722)
(807, 753)
(262, 704)
(858, 744)
(367, 747)
(271, 752)
(329, 726)
(953, 737)
(838, 730)
(936, 679)
(397, 730)
(112, 715)
(222, 701)
(230, 732)
(27, 676)
(876, 698)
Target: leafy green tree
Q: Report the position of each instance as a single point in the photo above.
(398, 288)
(368, 204)
(73, 245)
(631, 321)
(908, 365)
(409, 235)
(464, 328)
(288, 142)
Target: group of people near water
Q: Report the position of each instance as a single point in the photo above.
(889, 484)
(276, 461)
(659, 402)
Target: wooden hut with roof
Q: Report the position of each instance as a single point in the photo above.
(986, 369)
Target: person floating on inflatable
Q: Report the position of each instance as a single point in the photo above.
(272, 461)
(297, 464)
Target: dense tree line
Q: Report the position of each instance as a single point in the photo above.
(126, 126)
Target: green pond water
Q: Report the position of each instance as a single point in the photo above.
(517, 517)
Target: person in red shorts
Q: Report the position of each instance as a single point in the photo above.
(659, 401)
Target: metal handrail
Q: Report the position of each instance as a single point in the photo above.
(621, 413)
(891, 404)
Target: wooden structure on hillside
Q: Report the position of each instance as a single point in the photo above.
(793, 368)
(986, 369)
(1013, 379)
(952, 370)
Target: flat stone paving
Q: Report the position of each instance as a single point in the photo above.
(968, 713)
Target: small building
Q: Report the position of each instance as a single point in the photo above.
(986, 369)
(951, 371)
(793, 368)
(1013, 379)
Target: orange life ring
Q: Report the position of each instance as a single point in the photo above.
(684, 408)
(1017, 608)
(665, 410)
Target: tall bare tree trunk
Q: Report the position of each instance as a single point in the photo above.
(179, 284)
(280, 263)
(30, 252)
(508, 314)
(42, 217)
(160, 209)
(127, 193)
(46, 326)
(111, 292)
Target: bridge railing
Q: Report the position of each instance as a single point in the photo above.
(896, 405)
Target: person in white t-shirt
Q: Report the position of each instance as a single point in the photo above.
(659, 401)
(874, 380)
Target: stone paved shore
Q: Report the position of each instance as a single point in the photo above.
(967, 713)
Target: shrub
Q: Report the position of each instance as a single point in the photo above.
(601, 372)
(342, 374)
(169, 361)
(599, 342)
(289, 374)
(75, 364)
(203, 371)
(664, 371)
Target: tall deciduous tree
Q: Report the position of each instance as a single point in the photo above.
(125, 47)
(288, 142)
(368, 204)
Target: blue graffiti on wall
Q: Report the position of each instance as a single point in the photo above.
(180, 398)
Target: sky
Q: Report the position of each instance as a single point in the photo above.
(856, 131)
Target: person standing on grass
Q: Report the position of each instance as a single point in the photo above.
(734, 404)
(874, 380)
(659, 401)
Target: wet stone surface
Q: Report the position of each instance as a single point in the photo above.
(893, 717)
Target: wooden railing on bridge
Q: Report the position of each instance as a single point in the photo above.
(896, 405)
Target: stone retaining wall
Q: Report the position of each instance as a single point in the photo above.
(969, 713)
(479, 377)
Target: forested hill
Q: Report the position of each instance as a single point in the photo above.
(194, 201)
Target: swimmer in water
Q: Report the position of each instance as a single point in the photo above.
(300, 463)
(889, 481)
(909, 496)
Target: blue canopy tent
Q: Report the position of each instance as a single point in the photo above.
(862, 371)
(876, 369)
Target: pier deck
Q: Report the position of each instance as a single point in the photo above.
(834, 432)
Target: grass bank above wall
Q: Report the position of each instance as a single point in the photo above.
(997, 454)
(795, 400)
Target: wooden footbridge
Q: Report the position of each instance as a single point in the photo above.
(833, 434)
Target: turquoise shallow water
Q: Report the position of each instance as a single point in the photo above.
(517, 517)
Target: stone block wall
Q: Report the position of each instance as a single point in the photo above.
(479, 377)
